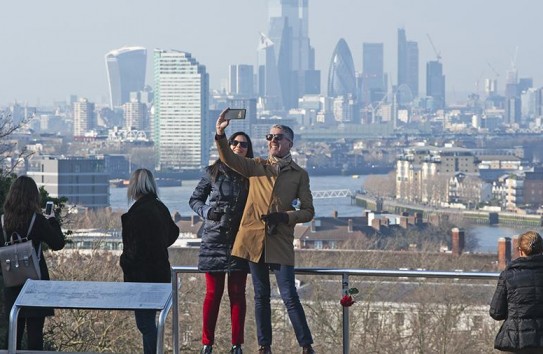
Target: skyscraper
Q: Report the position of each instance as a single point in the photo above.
(269, 88)
(125, 73)
(295, 58)
(402, 57)
(435, 83)
(341, 76)
(240, 80)
(84, 117)
(373, 76)
(408, 67)
(181, 130)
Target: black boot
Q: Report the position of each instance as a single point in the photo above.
(236, 349)
(264, 349)
(308, 350)
(207, 349)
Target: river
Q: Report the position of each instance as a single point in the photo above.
(177, 198)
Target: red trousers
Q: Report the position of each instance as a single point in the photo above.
(236, 293)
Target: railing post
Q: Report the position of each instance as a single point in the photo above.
(175, 316)
(12, 333)
(345, 290)
(161, 326)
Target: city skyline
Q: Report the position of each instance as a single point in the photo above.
(43, 54)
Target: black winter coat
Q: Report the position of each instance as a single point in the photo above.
(148, 231)
(519, 301)
(228, 193)
(44, 230)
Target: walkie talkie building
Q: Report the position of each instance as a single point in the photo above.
(125, 73)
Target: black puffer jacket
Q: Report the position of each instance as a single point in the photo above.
(519, 301)
(148, 231)
(228, 194)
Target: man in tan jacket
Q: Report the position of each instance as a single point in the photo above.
(266, 233)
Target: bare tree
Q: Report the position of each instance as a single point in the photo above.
(11, 154)
(406, 316)
(381, 185)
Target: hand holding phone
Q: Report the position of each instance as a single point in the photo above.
(235, 113)
(49, 208)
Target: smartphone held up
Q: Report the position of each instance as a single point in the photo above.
(49, 208)
(235, 113)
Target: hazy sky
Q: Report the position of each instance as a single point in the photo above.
(52, 48)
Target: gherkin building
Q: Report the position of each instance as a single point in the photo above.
(341, 76)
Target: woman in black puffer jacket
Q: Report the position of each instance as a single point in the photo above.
(220, 199)
(519, 299)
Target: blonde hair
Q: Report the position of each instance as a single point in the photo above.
(530, 243)
(141, 183)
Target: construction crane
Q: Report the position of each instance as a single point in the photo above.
(514, 60)
(438, 53)
(494, 70)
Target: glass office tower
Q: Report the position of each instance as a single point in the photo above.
(125, 73)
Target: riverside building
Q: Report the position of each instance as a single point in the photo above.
(181, 129)
(82, 180)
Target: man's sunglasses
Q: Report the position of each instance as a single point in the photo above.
(276, 137)
(243, 144)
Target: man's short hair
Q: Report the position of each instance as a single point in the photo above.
(286, 130)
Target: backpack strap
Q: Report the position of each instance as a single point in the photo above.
(31, 224)
(4, 229)
(38, 251)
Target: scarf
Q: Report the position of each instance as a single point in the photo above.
(280, 162)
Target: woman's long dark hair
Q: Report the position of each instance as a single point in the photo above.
(214, 168)
(22, 201)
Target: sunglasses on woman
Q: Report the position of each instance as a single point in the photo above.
(243, 144)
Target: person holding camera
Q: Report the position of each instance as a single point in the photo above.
(266, 232)
(219, 198)
(22, 205)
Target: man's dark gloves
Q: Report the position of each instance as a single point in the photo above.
(275, 218)
(272, 219)
(214, 215)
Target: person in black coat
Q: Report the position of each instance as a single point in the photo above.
(519, 299)
(219, 198)
(148, 230)
(22, 202)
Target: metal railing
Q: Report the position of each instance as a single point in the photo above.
(345, 273)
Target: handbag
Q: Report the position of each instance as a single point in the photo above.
(19, 260)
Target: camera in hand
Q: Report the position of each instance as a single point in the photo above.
(216, 213)
(221, 209)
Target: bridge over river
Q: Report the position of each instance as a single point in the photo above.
(335, 193)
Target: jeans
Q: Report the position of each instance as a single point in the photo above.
(146, 323)
(212, 301)
(260, 273)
